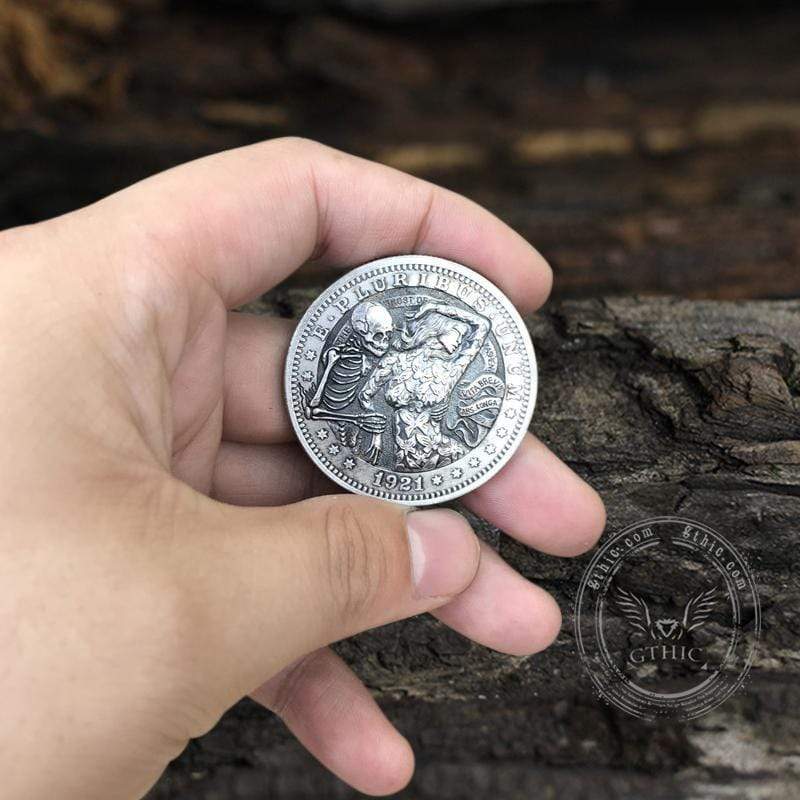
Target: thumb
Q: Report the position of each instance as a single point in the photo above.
(277, 583)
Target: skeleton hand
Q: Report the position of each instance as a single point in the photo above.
(373, 452)
(374, 423)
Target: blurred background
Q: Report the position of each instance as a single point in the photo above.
(643, 147)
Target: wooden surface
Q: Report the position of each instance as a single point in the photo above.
(667, 407)
(642, 149)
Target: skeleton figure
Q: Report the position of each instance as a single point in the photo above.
(418, 378)
(344, 367)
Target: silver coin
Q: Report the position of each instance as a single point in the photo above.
(412, 379)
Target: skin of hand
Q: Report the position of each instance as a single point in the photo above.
(166, 547)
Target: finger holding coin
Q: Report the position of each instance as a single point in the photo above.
(275, 206)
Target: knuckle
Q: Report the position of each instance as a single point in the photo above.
(286, 686)
(357, 559)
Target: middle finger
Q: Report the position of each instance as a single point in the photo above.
(535, 498)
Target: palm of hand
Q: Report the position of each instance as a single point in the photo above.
(158, 606)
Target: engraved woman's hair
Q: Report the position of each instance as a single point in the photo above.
(418, 331)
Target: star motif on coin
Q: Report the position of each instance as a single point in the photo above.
(393, 414)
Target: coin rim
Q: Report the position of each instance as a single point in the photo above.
(439, 496)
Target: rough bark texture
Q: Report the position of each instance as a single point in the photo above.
(641, 149)
(667, 407)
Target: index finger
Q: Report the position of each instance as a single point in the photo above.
(245, 219)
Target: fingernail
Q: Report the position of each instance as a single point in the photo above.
(444, 552)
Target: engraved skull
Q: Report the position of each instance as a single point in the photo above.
(374, 326)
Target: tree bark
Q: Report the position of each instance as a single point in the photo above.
(642, 149)
(667, 407)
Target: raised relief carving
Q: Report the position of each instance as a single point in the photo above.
(418, 369)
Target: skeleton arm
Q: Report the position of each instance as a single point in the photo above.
(331, 357)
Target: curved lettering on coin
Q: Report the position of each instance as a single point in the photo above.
(408, 364)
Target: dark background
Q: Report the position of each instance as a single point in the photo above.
(642, 147)
(646, 148)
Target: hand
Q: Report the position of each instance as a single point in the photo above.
(140, 596)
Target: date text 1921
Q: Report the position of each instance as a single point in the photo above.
(403, 483)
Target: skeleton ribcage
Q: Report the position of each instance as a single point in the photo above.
(343, 381)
